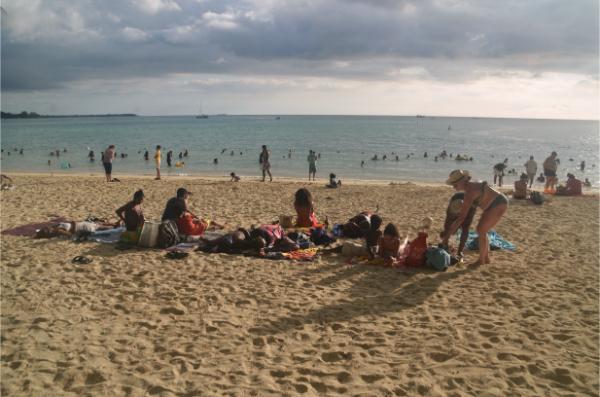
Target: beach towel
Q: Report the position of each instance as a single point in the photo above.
(110, 236)
(304, 255)
(29, 229)
(496, 241)
(308, 254)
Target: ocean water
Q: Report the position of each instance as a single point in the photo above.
(342, 141)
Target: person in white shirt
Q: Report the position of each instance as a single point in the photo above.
(531, 170)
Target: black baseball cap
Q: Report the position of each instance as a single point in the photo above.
(181, 192)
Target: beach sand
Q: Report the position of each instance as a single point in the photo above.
(134, 323)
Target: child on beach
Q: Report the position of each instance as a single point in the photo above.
(388, 246)
(303, 204)
(234, 177)
(333, 181)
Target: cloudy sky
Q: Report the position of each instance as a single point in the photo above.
(509, 58)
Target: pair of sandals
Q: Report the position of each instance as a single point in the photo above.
(81, 260)
(177, 255)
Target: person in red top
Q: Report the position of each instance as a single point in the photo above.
(303, 205)
(189, 225)
(187, 222)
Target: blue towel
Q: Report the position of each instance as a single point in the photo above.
(109, 236)
(496, 241)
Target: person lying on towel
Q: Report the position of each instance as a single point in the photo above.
(73, 228)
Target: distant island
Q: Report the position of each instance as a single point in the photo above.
(34, 115)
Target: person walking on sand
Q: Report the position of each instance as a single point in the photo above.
(477, 194)
(107, 159)
(531, 170)
(157, 158)
(312, 164)
(265, 165)
(550, 166)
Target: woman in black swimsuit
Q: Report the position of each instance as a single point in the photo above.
(477, 194)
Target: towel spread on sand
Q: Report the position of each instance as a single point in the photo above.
(496, 241)
(29, 229)
(307, 255)
(110, 236)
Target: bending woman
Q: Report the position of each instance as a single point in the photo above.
(477, 194)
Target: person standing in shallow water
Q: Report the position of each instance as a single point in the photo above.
(531, 170)
(550, 167)
(312, 164)
(265, 164)
(157, 159)
(107, 159)
(169, 157)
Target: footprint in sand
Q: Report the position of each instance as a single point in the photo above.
(94, 378)
(440, 357)
(335, 356)
(173, 310)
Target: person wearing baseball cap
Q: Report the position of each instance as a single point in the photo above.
(477, 194)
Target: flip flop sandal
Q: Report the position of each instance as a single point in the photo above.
(81, 260)
(177, 255)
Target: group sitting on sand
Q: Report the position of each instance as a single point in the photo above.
(307, 230)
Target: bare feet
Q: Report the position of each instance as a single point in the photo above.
(480, 262)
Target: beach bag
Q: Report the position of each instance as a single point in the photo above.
(149, 234)
(352, 248)
(416, 251)
(438, 258)
(168, 234)
(537, 198)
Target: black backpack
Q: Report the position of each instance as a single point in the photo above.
(168, 234)
(537, 198)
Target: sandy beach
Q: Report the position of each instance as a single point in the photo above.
(134, 323)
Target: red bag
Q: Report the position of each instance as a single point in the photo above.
(416, 251)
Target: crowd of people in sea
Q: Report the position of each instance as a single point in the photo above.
(548, 177)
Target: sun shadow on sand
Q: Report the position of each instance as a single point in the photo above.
(377, 291)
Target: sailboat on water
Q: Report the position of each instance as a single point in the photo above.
(201, 114)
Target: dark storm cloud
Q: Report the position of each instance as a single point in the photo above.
(47, 45)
